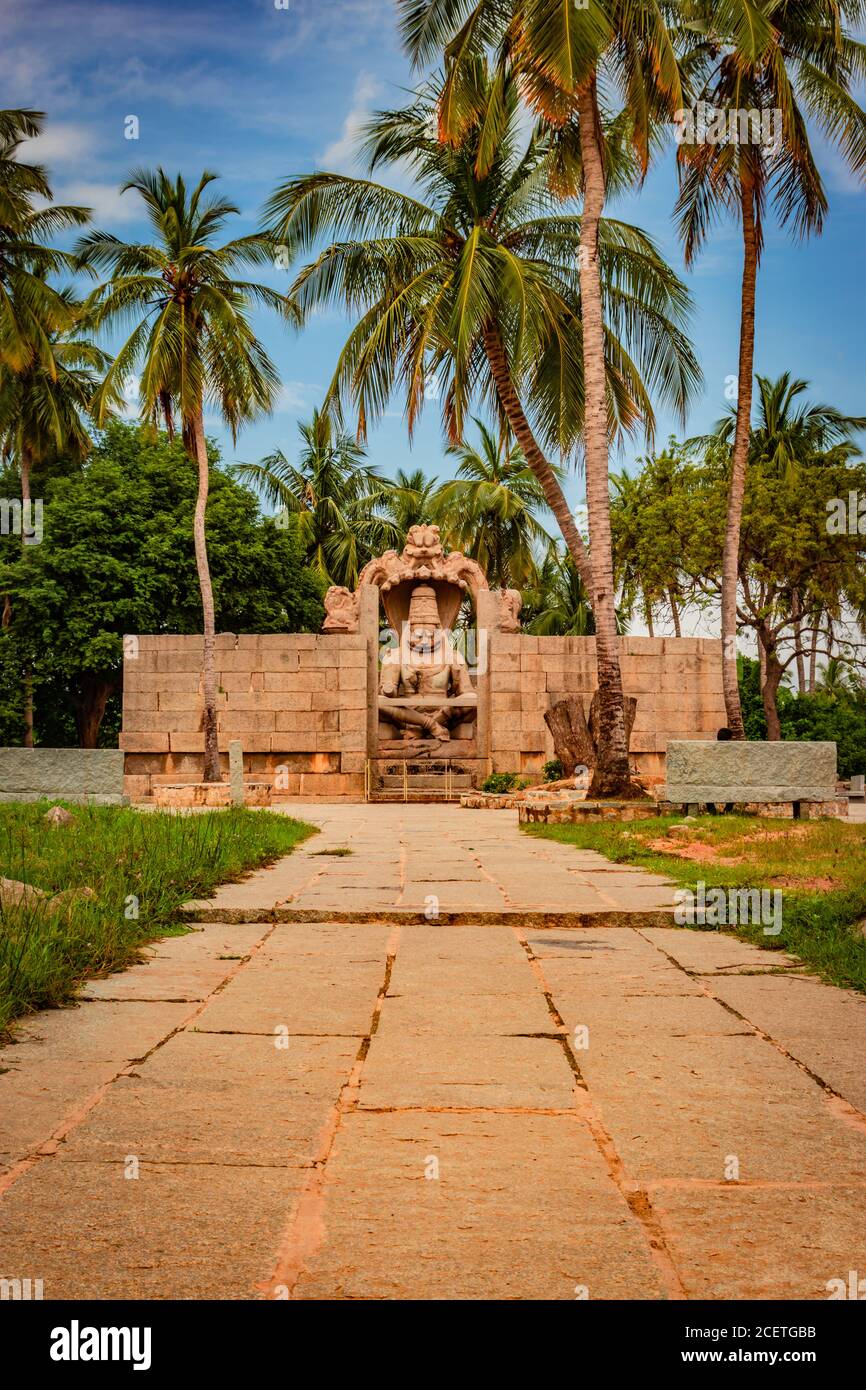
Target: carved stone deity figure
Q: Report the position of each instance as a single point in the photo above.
(424, 687)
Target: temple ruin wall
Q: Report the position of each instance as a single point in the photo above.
(304, 705)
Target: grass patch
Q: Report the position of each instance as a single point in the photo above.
(142, 867)
(338, 853)
(818, 866)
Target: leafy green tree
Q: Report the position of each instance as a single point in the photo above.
(645, 516)
(44, 409)
(797, 64)
(332, 500)
(115, 558)
(789, 431)
(490, 510)
(193, 341)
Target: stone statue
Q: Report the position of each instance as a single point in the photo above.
(341, 609)
(510, 604)
(424, 687)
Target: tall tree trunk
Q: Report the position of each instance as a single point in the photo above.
(797, 614)
(26, 462)
(813, 653)
(211, 743)
(89, 705)
(739, 460)
(535, 457)
(675, 614)
(769, 691)
(648, 611)
(611, 776)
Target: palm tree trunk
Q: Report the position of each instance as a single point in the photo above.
(739, 460)
(611, 776)
(26, 461)
(211, 743)
(536, 459)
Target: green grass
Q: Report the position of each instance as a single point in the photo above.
(339, 853)
(818, 866)
(147, 864)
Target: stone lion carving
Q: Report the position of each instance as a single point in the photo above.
(510, 604)
(341, 609)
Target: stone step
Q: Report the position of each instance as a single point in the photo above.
(520, 917)
(394, 794)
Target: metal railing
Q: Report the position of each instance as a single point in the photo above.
(370, 776)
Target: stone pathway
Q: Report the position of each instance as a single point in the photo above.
(421, 1110)
(412, 860)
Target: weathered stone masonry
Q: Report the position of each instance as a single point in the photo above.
(297, 702)
(304, 705)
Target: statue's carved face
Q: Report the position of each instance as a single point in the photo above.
(423, 639)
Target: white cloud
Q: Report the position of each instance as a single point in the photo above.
(341, 155)
(297, 395)
(108, 203)
(131, 398)
(57, 143)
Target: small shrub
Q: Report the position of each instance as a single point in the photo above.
(500, 783)
(552, 771)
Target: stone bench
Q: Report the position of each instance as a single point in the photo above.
(786, 778)
(90, 775)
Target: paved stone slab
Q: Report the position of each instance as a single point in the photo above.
(308, 1163)
(522, 1208)
(327, 993)
(431, 1070)
(777, 1243)
(94, 1032)
(823, 1027)
(180, 968)
(37, 1097)
(714, 952)
(225, 1099)
(175, 1232)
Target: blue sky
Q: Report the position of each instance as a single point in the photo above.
(257, 93)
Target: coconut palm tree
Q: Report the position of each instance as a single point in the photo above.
(787, 430)
(558, 605)
(411, 500)
(792, 63)
(31, 308)
(44, 410)
(337, 505)
(564, 56)
(192, 341)
(490, 510)
(479, 288)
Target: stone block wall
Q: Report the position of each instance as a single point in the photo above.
(93, 775)
(304, 705)
(677, 682)
(297, 702)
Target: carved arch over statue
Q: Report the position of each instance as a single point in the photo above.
(423, 561)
